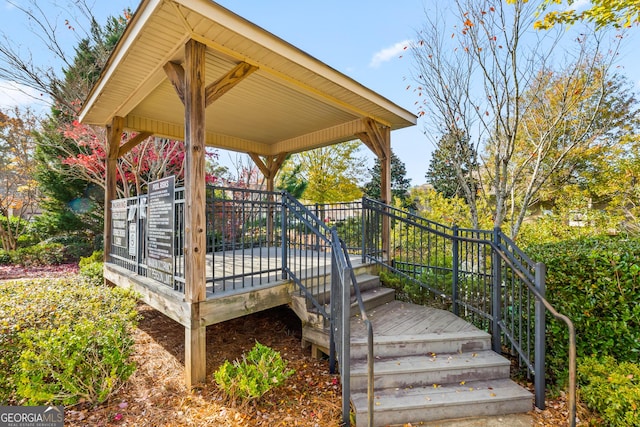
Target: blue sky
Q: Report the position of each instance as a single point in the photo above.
(362, 39)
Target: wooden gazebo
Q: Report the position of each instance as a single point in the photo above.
(192, 70)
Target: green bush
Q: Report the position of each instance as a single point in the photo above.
(596, 283)
(5, 257)
(62, 341)
(91, 268)
(259, 371)
(611, 389)
(76, 246)
(93, 273)
(40, 254)
(96, 256)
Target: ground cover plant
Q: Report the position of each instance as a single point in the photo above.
(64, 341)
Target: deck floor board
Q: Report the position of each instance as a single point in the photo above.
(398, 318)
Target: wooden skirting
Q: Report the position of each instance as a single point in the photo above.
(218, 309)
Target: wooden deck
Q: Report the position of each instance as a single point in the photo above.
(402, 320)
(241, 292)
(243, 270)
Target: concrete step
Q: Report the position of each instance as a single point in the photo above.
(407, 345)
(428, 369)
(415, 405)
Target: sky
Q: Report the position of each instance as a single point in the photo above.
(363, 39)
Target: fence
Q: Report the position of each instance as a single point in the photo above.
(480, 275)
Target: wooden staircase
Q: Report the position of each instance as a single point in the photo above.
(429, 364)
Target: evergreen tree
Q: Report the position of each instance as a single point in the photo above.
(451, 166)
(71, 203)
(399, 182)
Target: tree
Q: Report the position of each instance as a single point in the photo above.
(332, 172)
(399, 182)
(577, 117)
(292, 182)
(65, 78)
(452, 163)
(19, 193)
(481, 77)
(617, 13)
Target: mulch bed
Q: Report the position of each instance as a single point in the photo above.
(156, 395)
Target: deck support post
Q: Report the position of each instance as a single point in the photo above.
(195, 209)
(378, 138)
(114, 136)
(269, 166)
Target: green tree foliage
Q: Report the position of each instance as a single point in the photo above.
(72, 203)
(452, 163)
(291, 181)
(333, 173)
(399, 182)
(531, 116)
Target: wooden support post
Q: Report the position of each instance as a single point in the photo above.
(195, 345)
(385, 189)
(269, 168)
(378, 139)
(114, 136)
(195, 209)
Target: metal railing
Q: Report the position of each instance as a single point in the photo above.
(480, 275)
(131, 252)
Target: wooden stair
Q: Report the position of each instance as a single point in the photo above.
(429, 364)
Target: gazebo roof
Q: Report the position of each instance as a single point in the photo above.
(288, 101)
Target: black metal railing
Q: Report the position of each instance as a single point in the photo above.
(480, 275)
(343, 279)
(131, 251)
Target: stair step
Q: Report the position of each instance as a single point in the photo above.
(427, 369)
(406, 345)
(371, 298)
(366, 282)
(423, 404)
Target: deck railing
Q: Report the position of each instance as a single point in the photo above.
(480, 275)
(130, 250)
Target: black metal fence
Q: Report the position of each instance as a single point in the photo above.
(480, 275)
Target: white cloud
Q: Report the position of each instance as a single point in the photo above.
(388, 53)
(13, 94)
(580, 4)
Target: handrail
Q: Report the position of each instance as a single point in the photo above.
(367, 322)
(516, 267)
(339, 295)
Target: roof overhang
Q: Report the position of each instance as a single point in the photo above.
(291, 102)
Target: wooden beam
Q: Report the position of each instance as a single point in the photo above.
(130, 144)
(268, 165)
(366, 140)
(175, 73)
(260, 164)
(114, 136)
(224, 84)
(195, 221)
